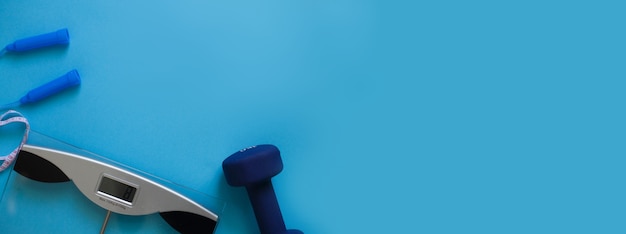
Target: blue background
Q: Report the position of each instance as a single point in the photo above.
(392, 116)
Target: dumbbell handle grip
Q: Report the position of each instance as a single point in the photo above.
(266, 208)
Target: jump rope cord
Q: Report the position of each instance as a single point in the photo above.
(10, 105)
(9, 117)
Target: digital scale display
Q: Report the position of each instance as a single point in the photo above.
(117, 189)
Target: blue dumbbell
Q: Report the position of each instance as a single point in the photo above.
(254, 168)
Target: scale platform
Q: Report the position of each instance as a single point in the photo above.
(55, 187)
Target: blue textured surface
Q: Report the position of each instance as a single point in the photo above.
(391, 116)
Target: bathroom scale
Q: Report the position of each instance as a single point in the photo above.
(55, 187)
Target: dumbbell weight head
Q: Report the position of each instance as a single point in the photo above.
(252, 165)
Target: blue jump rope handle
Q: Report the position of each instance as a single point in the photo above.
(59, 37)
(66, 81)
